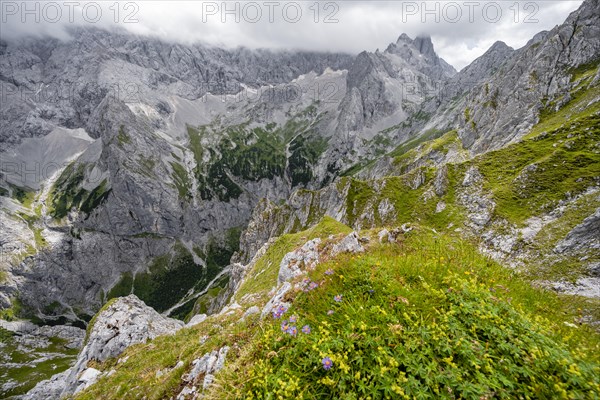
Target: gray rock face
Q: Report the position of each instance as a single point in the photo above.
(440, 183)
(420, 54)
(298, 262)
(87, 378)
(51, 82)
(480, 70)
(154, 196)
(196, 319)
(251, 311)
(498, 98)
(135, 98)
(585, 236)
(587, 287)
(478, 203)
(125, 322)
(349, 244)
(388, 84)
(204, 369)
(21, 327)
(72, 335)
(276, 300)
(266, 222)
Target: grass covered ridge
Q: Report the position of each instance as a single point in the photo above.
(424, 317)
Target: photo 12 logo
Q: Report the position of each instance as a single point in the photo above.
(293, 93)
(32, 173)
(472, 11)
(69, 11)
(270, 11)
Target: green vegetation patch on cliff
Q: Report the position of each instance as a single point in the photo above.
(168, 279)
(304, 154)
(398, 199)
(171, 276)
(68, 193)
(228, 155)
(28, 368)
(23, 195)
(250, 154)
(413, 143)
(182, 181)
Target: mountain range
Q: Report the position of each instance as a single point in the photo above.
(132, 166)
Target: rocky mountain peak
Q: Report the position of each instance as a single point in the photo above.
(588, 9)
(422, 44)
(499, 46)
(537, 38)
(404, 38)
(425, 46)
(420, 54)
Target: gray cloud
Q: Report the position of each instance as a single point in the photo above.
(461, 30)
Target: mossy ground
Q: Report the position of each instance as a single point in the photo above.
(426, 317)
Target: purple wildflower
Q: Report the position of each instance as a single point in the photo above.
(306, 329)
(313, 285)
(329, 272)
(293, 319)
(292, 330)
(330, 312)
(338, 298)
(284, 326)
(279, 311)
(327, 363)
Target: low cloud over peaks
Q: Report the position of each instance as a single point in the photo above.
(461, 31)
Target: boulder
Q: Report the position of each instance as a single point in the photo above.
(121, 323)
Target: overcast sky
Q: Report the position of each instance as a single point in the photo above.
(461, 30)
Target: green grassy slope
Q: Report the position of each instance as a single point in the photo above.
(424, 317)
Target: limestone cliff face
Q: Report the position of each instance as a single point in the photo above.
(52, 83)
(500, 96)
(386, 87)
